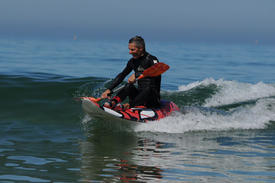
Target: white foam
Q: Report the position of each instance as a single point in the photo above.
(231, 92)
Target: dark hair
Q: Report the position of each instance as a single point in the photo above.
(139, 41)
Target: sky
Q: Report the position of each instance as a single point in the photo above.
(182, 20)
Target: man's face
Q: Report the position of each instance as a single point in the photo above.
(135, 51)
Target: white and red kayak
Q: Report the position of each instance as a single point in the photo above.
(137, 114)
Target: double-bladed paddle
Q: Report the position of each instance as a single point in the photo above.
(153, 71)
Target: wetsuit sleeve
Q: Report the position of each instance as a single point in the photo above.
(120, 77)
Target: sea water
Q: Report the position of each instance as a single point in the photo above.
(224, 131)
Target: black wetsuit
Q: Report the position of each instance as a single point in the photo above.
(148, 91)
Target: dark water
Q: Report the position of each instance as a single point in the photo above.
(224, 132)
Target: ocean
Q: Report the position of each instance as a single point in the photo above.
(224, 132)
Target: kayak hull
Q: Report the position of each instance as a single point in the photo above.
(136, 114)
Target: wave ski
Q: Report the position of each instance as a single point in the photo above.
(137, 114)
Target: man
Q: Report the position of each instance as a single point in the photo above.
(148, 91)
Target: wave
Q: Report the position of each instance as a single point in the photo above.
(40, 97)
(205, 105)
(230, 92)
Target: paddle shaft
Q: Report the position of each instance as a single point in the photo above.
(119, 88)
(153, 71)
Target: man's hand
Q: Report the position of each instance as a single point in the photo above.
(132, 78)
(106, 94)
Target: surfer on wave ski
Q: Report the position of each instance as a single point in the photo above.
(147, 93)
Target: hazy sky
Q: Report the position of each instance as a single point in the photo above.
(187, 20)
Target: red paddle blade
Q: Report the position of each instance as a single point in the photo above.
(155, 70)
